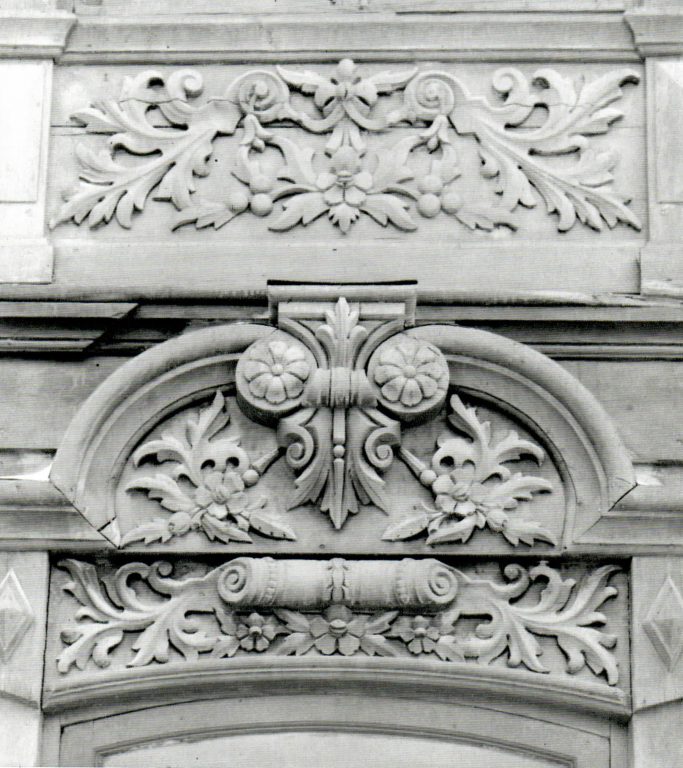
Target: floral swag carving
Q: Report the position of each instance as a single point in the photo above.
(388, 608)
(338, 396)
(347, 180)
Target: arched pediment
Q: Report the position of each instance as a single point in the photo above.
(444, 438)
(293, 455)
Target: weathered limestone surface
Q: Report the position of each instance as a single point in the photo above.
(340, 352)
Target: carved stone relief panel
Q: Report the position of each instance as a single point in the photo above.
(210, 474)
(561, 619)
(352, 148)
(342, 432)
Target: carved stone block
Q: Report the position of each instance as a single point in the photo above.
(447, 437)
(657, 630)
(400, 148)
(399, 608)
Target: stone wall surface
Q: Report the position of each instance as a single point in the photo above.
(340, 351)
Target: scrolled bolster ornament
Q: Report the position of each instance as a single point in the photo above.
(306, 585)
(425, 583)
(262, 582)
(339, 388)
(387, 608)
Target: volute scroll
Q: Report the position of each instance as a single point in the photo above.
(406, 439)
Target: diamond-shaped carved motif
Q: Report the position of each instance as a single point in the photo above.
(664, 623)
(16, 615)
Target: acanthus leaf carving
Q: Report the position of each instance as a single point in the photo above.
(206, 489)
(333, 434)
(472, 486)
(511, 155)
(337, 398)
(349, 179)
(402, 608)
(110, 188)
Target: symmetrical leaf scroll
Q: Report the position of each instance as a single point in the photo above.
(392, 183)
(179, 152)
(401, 608)
(472, 485)
(207, 488)
(334, 435)
(513, 158)
(562, 612)
(337, 397)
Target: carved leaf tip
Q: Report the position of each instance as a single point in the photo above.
(516, 153)
(207, 489)
(473, 487)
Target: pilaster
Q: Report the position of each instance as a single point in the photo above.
(657, 28)
(31, 35)
(23, 615)
(657, 668)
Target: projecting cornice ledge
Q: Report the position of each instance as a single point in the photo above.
(657, 32)
(234, 37)
(29, 34)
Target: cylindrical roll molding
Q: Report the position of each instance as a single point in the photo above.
(313, 584)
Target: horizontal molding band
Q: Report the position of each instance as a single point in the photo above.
(34, 35)
(132, 270)
(35, 516)
(657, 32)
(611, 328)
(419, 680)
(536, 36)
(575, 32)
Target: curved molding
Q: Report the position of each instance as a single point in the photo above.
(549, 399)
(110, 421)
(423, 679)
(560, 414)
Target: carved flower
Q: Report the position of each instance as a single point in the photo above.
(347, 182)
(276, 372)
(338, 629)
(410, 372)
(223, 493)
(345, 188)
(346, 93)
(462, 499)
(256, 633)
(419, 632)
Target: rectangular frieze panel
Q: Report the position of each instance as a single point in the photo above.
(458, 161)
(563, 624)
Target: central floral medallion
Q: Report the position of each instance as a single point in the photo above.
(338, 394)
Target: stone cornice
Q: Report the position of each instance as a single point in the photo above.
(35, 516)
(657, 32)
(541, 36)
(548, 322)
(34, 35)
